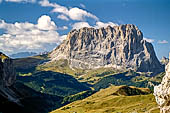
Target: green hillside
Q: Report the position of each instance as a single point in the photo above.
(129, 78)
(53, 83)
(89, 76)
(57, 78)
(80, 86)
(115, 99)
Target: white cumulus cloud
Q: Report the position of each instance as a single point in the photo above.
(63, 17)
(102, 24)
(73, 13)
(79, 25)
(79, 14)
(98, 25)
(30, 1)
(162, 41)
(63, 28)
(29, 37)
(149, 40)
(45, 23)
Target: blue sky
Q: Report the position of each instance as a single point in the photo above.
(40, 25)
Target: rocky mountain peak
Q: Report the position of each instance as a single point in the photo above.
(162, 91)
(121, 47)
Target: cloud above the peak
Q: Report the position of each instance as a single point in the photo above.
(79, 14)
(27, 36)
(162, 42)
(149, 40)
(63, 17)
(102, 24)
(18, 1)
(98, 25)
(79, 25)
(74, 13)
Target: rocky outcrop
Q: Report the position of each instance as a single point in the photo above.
(162, 92)
(7, 78)
(7, 72)
(164, 61)
(121, 47)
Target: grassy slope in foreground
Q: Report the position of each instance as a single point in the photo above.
(114, 100)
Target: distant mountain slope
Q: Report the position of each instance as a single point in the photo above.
(96, 78)
(121, 47)
(53, 83)
(29, 64)
(129, 78)
(115, 99)
(22, 54)
(46, 81)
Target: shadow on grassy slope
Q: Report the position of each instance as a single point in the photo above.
(53, 83)
(30, 100)
(29, 64)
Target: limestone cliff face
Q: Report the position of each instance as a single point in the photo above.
(162, 92)
(7, 78)
(121, 47)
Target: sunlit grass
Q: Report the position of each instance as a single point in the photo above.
(105, 101)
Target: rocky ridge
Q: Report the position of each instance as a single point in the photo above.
(162, 91)
(7, 78)
(121, 47)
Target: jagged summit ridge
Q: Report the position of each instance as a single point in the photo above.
(121, 47)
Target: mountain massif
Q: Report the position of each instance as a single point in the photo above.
(121, 47)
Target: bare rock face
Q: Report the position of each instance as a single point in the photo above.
(162, 91)
(164, 61)
(7, 72)
(121, 47)
(7, 78)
